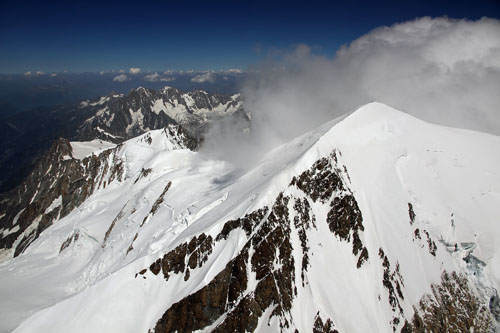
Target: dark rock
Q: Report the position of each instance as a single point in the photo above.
(319, 182)
(224, 294)
(495, 306)
(392, 281)
(411, 213)
(452, 307)
(326, 327)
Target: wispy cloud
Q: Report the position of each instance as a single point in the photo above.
(155, 77)
(121, 78)
(205, 77)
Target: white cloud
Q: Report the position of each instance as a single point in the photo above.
(441, 70)
(155, 77)
(53, 74)
(134, 70)
(28, 73)
(121, 78)
(205, 77)
(39, 73)
(152, 77)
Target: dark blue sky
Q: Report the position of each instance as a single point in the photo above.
(94, 36)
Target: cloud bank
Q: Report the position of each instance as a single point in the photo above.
(441, 70)
(134, 70)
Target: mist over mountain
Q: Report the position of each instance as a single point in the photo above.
(354, 190)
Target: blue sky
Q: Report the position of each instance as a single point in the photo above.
(95, 36)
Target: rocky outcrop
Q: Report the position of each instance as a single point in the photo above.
(417, 233)
(186, 256)
(262, 274)
(227, 292)
(452, 307)
(393, 283)
(322, 182)
(323, 327)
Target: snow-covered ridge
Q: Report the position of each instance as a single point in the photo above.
(68, 174)
(427, 197)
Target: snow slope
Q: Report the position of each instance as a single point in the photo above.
(86, 148)
(91, 270)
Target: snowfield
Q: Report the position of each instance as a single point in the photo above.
(81, 274)
(86, 148)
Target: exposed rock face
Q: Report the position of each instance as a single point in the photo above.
(262, 275)
(321, 182)
(417, 233)
(227, 292)
(58, 184)
(303, 221)
(452, 307)
(393, 283)
(193, 254)
(327, 327)
(68, 241)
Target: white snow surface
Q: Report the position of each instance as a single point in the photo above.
(82, 149)
(392, 159)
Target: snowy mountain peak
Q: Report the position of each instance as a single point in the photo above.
(376, 216)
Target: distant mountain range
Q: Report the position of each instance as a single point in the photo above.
(25, 92)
